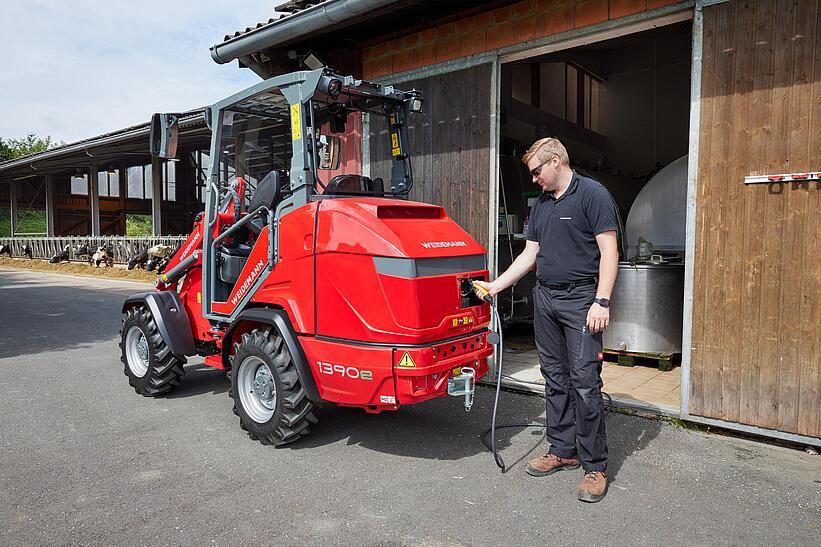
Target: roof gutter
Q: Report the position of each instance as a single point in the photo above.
(319, 17)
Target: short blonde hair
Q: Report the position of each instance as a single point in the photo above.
(546, 148)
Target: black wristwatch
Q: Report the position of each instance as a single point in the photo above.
(603, 302)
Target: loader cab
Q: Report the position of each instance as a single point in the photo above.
(275, 147)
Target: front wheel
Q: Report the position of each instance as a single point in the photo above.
(151, 368)
(268, 397)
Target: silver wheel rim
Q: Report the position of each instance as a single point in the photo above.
(257, 389)
(136, 351)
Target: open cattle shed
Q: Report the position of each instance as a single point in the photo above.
(701, 118)
(61, 182)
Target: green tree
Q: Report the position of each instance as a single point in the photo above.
(5, 151)
(12, 149)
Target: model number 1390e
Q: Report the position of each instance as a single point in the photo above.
(346, 371)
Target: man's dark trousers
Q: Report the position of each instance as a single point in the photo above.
(569, 357)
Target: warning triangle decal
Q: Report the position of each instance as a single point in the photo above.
(406, 361)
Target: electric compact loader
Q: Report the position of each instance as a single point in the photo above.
(308, 284)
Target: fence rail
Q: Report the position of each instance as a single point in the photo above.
(121, 247)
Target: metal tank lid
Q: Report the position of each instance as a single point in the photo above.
(659, 212)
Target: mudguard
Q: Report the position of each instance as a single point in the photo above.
(171, 318)
(279, 319)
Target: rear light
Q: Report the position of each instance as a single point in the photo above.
(448, 350)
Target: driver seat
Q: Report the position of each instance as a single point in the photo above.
(268, 193)
(232, 257)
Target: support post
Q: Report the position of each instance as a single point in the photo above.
(156, 195)
(94, 200)
(13, 206)
(692, 200)
(122, 179)
(50, 205)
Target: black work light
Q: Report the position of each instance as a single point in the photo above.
(330, 86)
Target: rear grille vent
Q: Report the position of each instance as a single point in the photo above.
(408, 212)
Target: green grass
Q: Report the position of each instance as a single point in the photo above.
(138, 225)
(28, 222)
(34, 222)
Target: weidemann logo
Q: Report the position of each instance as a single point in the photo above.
(190, 245)
(440, 244)
(248, 282)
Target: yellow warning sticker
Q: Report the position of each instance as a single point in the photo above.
(457, 371)
(395, 149)
(296, 122)
(199, 298)
(406, 361)
(466, 320)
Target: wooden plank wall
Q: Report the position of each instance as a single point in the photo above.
(450, 146)
(756, 355)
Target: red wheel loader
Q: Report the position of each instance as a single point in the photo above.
(305, 283)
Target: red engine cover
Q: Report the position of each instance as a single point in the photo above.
(356, 302)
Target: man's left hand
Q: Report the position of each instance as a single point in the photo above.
(597, 318)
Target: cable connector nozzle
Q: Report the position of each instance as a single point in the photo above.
(483, 291)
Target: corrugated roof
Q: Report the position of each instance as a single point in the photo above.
(189, 118)
(282, 11)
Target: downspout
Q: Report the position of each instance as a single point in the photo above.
(316, 18)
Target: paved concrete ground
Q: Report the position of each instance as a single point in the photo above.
(83, 459)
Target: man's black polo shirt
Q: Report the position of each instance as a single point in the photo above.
(566, 230)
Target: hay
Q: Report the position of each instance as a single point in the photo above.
(78, 268)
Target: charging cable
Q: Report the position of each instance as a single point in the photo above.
(496, 338)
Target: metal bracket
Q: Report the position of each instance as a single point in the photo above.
(785, 177)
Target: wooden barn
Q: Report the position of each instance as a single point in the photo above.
(728, 91)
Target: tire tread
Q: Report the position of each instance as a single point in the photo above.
(297, 414)
(165, 369)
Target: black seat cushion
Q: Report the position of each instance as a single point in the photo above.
(236, 249)
(268, 193)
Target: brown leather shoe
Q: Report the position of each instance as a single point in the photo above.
(593, 486)
(549, 464)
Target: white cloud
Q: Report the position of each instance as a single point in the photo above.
(77, 69)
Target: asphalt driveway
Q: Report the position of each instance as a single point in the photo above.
(83, 459)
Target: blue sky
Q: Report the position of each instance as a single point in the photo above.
(77, 69)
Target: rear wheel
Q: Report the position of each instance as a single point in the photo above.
(268, 397)
(150, 366)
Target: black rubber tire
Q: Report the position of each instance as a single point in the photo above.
(293, 413)
(165, 370)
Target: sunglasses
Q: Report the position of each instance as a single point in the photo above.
(536, 171)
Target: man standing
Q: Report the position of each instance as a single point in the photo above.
(571, 240)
